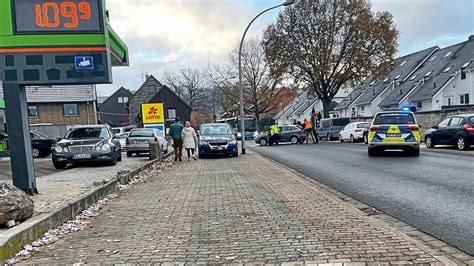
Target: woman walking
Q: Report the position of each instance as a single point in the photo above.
(189, 140)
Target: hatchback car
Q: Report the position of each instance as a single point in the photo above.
(291, 133)
(394, 130)
(139, 139)
(354, 132)
(91, 143)
(329, 128)
(217, 139)
(456, 130)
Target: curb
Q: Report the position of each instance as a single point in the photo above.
(356, 206)
(13, 240)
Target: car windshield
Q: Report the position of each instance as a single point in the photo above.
(394, 118)
(141, 133)
(88, 133)
(216, 130)
(471, 120)
(122, 135)
(340, 122)
(364, 125)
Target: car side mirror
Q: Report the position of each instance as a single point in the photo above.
(435, 127)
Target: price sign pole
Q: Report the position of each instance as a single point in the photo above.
(50, 42)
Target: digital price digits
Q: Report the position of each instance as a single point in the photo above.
(51, 14)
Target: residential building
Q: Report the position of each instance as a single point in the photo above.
(174, 106)
(346, 107)
(114, 111)
(61, 105)
(401, 69)
(147, 90)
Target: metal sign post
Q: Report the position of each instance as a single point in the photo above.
(50, 42)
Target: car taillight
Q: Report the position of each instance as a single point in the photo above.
(375, 128)
(127, 141)
(468, 128)
(413, 127)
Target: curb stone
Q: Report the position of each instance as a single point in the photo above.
(445, 259)
(13, 240)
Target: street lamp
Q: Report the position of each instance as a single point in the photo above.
(242, 116)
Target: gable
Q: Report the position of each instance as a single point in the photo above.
(171, 99)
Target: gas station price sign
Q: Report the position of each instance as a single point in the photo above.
(57, 16)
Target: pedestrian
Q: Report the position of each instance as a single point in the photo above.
(175, 132)
(314, 124)
(189, 140)
(308, 129)
(274, 134)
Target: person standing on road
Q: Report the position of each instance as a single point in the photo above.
(308, 128)
(189, 139)
(175, 132)
(274, 134)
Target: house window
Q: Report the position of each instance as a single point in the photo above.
(404, 62)
(463, 74)
(447, 69)
(70, 109)
(413, 77)
(122, 99)
(464, 98)
(448, 54)
(171, 113)
(32, 110)
(429, 73)
(433, 58)
(152, 88)
(419, 105)
(397, 77)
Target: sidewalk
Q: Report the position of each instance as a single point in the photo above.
(240, 210)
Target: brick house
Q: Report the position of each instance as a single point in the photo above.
(61, 105)
(114, 110)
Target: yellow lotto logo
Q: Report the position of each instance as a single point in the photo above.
(152, 113)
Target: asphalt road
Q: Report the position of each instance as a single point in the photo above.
(433, 192)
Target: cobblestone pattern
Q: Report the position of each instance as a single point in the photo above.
(232, 211)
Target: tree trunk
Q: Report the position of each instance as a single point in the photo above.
(326, 103)
(257, 121)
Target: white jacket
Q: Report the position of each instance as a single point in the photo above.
(189, 138)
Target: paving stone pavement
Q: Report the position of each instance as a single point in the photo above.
(235, 210)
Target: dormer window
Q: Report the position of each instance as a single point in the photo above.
(433, 58)
(466, 65)
(372, 83)
(385, 80)
(447, 69)
(429, 73)
(404, 62)
(448, 54)
(413, 77)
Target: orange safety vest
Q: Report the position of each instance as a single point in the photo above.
(307, 124)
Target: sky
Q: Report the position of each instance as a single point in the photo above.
(168, 35)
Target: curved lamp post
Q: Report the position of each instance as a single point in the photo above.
(242, 116)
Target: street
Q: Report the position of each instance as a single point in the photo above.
(433, 192)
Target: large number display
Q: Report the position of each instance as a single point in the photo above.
(56, 16)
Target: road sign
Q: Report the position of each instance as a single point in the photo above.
(161, 128)
(152, 113)
(84, 62)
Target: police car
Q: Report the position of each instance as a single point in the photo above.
(394, 130)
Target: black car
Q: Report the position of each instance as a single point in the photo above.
(455, 130)
(41, 145)
(91, 143)
(289, 133)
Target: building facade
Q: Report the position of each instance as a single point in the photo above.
(147, 90)
(173, 105)
(114, 111)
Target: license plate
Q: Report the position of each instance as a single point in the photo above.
(217, 148)
(141, 141)
(394, 135)
(81, 156)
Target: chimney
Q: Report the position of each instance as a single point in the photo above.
(146, 76)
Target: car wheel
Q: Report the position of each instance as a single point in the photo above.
(235, 154)
(294, 140)
(36, 152)
(415, 152)
(461, 143)
(352, 139)
(59, 165)
(119, 158)
(372, 152)
(429, 142)
(262, 142)
(366, 139)
(340, 138)
(114, 160)
(129, 154)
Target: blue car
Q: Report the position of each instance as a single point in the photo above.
(217, 139)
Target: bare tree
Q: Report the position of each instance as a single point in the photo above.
(191, 85)
(262, 91)
(329, 44)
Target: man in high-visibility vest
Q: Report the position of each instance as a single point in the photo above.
(274, 134)
(308, 128)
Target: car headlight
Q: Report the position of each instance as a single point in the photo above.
(202, 142)
(106, 147)
(58, 149)
(233, 141)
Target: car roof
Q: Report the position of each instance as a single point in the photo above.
(89, 126)
(142, 128)
(395, 111)
(214, 124)
(463, 115)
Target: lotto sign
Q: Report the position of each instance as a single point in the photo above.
(152, 113)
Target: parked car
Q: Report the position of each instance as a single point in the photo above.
(89, 143)
(249, 133)
(354, 132)
(122, 138)
(457, 130)
(329, 128)
(139, 139)
(394, 130)
(118, 130)
(41, 145)
(217, 139)
(291, 133)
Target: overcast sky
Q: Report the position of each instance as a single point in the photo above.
(167, 35)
